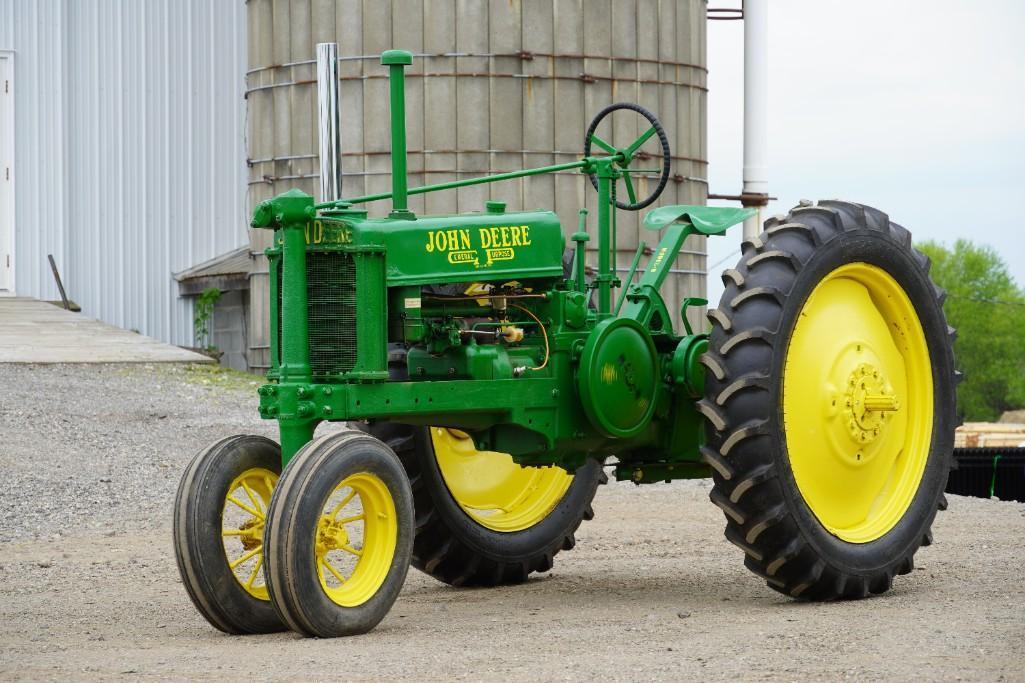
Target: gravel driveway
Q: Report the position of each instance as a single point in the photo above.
(92, 455)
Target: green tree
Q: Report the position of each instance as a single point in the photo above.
(987, 308)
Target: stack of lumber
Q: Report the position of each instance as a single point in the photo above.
(989, 435)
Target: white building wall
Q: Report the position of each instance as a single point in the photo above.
(130, 150)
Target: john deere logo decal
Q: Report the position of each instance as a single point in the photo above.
(471, 246)
(318, 232)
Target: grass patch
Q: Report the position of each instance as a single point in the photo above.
(200, 374)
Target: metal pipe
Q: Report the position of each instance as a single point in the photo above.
(604, 278)
(756, 109)
(397, 61)
(463, 183)
(469, 150)
(580, 238)
(327, 122)
(630, 277)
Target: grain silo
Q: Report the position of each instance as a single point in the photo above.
(495, 86)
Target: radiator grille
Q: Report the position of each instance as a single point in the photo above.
(331, 301)
(331, 292)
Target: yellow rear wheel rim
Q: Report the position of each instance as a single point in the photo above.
(858, 402)
(491, 488)
(242, 521)
(356, 537)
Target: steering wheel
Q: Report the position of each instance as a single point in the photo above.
(627, 153)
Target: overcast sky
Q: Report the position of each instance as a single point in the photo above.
(914, 107)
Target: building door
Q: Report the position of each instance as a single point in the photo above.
(6, 173)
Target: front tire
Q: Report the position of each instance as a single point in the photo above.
(220, 511)
(339, 536)
(830, 402)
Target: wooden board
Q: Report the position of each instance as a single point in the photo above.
(989, 435)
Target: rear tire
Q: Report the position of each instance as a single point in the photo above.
(456, 549)
(820, 554)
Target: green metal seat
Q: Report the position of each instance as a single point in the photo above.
(707, 220)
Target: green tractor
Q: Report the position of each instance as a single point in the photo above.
(487, 383)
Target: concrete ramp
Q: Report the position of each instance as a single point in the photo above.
(34, 331)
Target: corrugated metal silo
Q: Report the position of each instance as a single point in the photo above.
(496, 86)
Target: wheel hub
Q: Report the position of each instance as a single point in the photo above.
(857, 402)
(331, 535)
(868, 402)
(252, 533)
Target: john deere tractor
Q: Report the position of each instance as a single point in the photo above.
(485, 385)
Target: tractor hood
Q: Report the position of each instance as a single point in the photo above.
(469, 247)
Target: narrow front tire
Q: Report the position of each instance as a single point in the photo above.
(219, 517)
(340, 536)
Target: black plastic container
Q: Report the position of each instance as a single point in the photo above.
(987, 472)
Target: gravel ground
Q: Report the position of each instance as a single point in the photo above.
(92, 456)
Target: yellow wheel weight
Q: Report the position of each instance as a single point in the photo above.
(356, 538)
(491, 488)
(242, 521)
(858, 402)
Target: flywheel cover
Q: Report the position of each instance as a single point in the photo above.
(618, 377)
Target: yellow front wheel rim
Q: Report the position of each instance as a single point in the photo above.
(242, 521)
(858, 402)
(491, 488)
(356, 537)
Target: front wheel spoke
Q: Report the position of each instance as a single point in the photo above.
(256, 570)
(252, 496)
(601, 143)
(349, 520)
(345, 501)
(334, 572)
(234, 532)
(629, 187)
(254, 512)
(248, 556)
(350, 549)
(640, 141)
